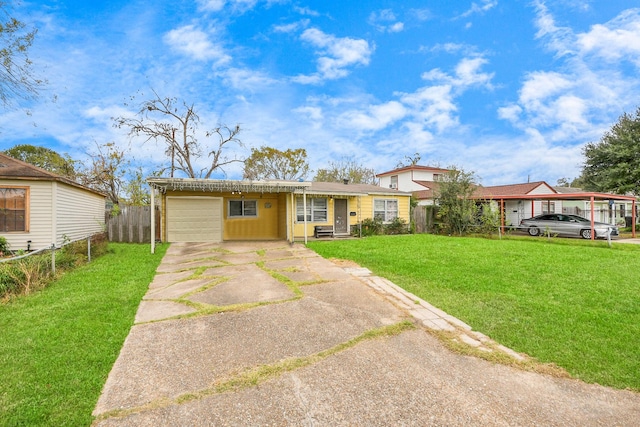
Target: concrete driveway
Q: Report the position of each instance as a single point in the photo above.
(263, 333)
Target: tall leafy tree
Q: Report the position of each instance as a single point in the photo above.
(44, 158)
(175, 124)
(16, 76)
(457, 210)
(347, 168)
(135, 190)
(271, 163)
(613, 163)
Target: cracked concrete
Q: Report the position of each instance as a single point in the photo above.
(261, 304)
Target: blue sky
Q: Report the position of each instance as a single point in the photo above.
(511, 90)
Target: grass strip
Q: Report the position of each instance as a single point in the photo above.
(58, 345)
(564, 301)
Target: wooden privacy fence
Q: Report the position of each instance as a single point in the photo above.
(424, 219)
(132, 224)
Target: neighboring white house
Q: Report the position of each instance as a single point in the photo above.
(611, 211)
(39, 208)
(420, 180)
(519, 200)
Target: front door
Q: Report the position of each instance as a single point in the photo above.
(340, 216)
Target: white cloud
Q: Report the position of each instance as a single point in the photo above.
(576, 101)
(196, 44)
(559, 39)
(336, 55)
(375, 118)
(485, 6)
(292, 27)
(306, 11)
(433, 106)
(541, 85)
(385, 21)
(467, 73)
(618, 39)
(212, 5)
(247, 80)
(236, 5)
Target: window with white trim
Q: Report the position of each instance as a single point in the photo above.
(317, 208)
(385, 209)
(243, 208)
(13, 209)
(548, 207)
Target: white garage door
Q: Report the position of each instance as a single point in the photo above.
(194, 219)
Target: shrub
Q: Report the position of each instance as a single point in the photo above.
(397, 226)
(489, 220)
(26, 275)
(4, 246)
(372, 227)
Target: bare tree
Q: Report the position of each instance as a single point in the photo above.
(409, 161)
(175, 124)
(16, 77)
(107, 171)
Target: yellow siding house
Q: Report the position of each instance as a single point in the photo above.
(206, 210)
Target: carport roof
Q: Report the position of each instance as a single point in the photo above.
(552, 196)
(220, 185)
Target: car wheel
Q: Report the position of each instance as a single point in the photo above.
(534, 231)
(586, 233)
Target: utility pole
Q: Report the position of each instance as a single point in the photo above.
(173, 149)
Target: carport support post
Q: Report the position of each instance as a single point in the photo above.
(153, 221)
(502, 214)
(593, 231)
(633, 218)
(304, 209)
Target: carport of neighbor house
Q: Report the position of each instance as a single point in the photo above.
(591, 197)
(224, 188)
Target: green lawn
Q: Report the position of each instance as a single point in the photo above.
(574, 303)
(57, 346)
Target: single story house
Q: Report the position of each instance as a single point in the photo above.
(520, 201)
(208, 210)
(39, 208)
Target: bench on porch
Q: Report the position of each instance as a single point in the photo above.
(323, 231)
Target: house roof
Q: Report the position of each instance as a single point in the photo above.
(269, 186)
(431, 187)
(412, 168)
(220, 185)
(339, 188)
(11, 168)
(570, 190)
(511, 190)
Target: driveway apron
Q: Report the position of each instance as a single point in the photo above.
(267, 333)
